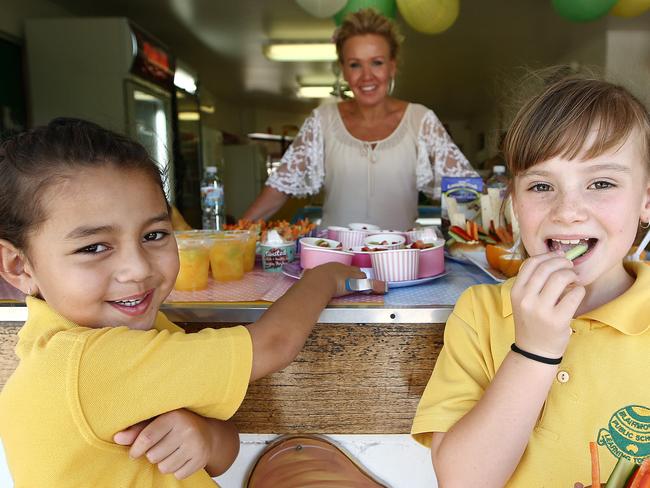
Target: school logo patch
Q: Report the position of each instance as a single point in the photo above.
(628, 434)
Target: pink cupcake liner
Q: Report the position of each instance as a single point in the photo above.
(351, 238)
(396, 265)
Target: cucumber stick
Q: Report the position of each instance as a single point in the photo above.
(620, 473)
(575, 252)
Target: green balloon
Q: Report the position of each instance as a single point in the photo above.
(583, 10)
(387, 8)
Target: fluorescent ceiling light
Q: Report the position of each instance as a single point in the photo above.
(313, 79)
(324, 51)
(188, 116)
(315, 91)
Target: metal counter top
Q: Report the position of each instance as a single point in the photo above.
(243, 313)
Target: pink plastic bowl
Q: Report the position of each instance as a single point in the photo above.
(396, 264)
(394, 241)
(351, 238)
(333, 232)
(311, 257)
(432, 261)
(361, 258)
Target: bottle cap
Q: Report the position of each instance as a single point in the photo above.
(499, 168)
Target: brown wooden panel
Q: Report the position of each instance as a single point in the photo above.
(8, 358)
(348, 379)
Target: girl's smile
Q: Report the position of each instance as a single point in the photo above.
(134, 305)
(561, 203)
(106, 253)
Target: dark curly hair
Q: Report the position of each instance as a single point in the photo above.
(34, 160)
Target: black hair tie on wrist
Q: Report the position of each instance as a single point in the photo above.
(535, 357)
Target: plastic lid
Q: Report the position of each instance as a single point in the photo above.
(498, 169)
(210, 169)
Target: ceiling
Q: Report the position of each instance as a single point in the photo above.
(456, 73)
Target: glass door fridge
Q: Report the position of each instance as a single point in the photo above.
(149, 118)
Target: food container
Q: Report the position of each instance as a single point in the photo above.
(362, 258)
(227, 256)
(250, 243)
(367, 228)
(194, 257)
(424, 234)
(311, 242)
(333, 232)
(274, 256)
(391, 231)
(350, 238)
(320, 242)
(396, 264)
(385, 241)
(432, 260)
(311, 257)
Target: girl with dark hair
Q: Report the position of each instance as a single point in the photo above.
(108, 392)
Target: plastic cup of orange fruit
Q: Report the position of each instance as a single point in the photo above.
(227, 256)
(250, 243)
(194, 257)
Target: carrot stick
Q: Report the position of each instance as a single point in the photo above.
(595, 464)
(642, 475)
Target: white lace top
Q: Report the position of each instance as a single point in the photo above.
(371, 182)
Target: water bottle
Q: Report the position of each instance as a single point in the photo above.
(498, 179)
(212, 199)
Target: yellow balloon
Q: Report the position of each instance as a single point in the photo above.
(429, 16)
(630, 8)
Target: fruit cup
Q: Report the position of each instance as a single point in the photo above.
(194, 256)
(227, 257)
(250, 242)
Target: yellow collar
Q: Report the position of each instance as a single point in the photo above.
(628, 313)
(44, 321)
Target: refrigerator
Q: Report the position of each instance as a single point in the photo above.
(106, 70)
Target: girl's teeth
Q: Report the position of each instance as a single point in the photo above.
(568, 241)
(128, 303)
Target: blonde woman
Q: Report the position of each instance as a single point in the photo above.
(371, 153)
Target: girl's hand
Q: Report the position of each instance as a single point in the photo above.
(178, 442)
(545, 298)
(336, 274)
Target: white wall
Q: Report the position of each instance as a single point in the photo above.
(628, 61)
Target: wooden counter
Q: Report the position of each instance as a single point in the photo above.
(350, 378)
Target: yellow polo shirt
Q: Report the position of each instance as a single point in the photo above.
(75, 387)
(601, 391)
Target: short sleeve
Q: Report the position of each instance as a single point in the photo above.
(124, 376)
(459, 378)
(438, 156)
(301, 171)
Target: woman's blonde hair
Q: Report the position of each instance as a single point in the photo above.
(367, 21)
(558, 122)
